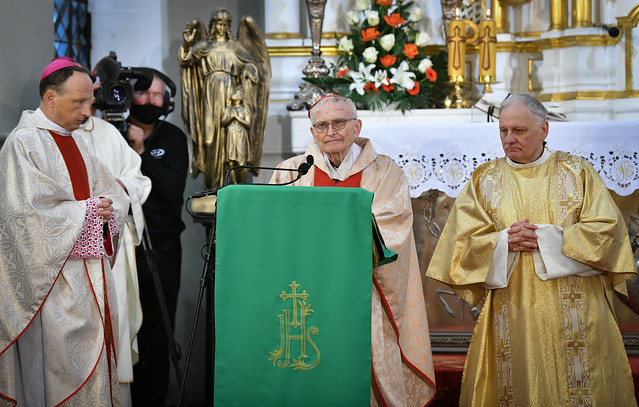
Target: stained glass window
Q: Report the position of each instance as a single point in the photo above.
(72, 25)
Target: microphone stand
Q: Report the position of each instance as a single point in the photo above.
(206, 278)
(208, 273)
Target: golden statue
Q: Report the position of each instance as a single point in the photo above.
(214, 67)
(237, 121)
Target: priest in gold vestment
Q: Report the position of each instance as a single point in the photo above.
(403, 373)
(537, 234)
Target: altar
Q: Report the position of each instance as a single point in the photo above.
(438, 151)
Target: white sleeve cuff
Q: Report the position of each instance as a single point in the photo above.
(503, 263)
(549, 260)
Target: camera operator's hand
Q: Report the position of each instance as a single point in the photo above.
(135, 135)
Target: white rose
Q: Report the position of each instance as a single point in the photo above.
(370, 55)
(352, 18)
(422, 39)
(373, 18)
(387, 41)
(416, 15)
(424, 65)
(362, 5)
(345, 44)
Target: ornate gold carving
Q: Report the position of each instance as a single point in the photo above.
(299, 321)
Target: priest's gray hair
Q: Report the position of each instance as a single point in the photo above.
(532, 103)
(333, 99)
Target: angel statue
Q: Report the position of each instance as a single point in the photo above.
(214, 66)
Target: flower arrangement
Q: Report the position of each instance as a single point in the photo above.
(383, 61)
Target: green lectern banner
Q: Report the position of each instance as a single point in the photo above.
(293, 296)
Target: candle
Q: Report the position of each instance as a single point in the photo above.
(456, 49)
(457, 38)
(487, 49)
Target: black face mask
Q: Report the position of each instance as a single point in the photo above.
(147, 114)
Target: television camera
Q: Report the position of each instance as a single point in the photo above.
(115, 94)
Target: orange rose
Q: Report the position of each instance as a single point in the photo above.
(341, 73)
(394, 20)
(431, 74)
(370, 86)
(387, 60)
(415, 90)
(411, 51)
(388, 88)
(385, 3)
(369, 34)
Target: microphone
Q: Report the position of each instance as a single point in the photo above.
(304, 167)
(612, 31)
(204, 193)
(301, 170)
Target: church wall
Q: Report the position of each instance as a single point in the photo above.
(25, 48)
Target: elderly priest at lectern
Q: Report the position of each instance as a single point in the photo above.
(402, 372)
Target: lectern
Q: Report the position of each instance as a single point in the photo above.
(293, 286)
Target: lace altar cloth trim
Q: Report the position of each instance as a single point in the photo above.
(443, 156)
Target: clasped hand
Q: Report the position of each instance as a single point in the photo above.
(105, 209)
(522, 237)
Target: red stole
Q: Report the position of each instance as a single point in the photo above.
(81, 191)
(323, 180)
(75, 165)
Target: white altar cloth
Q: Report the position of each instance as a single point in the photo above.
(442, 156)
(440, 151)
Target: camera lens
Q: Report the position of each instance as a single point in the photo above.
(118, 93)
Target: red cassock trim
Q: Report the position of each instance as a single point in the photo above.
(323, 180)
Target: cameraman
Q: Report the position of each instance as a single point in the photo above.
(163, 149)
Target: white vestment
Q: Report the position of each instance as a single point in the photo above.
(110, 147)
(58, 330)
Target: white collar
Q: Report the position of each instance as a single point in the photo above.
(544, 156)
(342, 171)
(54, 126)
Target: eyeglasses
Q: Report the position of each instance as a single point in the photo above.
(338, 124)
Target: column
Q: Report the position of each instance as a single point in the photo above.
(500, 13)
(582, 13)
(558, 15)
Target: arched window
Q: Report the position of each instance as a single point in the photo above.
(72, 25)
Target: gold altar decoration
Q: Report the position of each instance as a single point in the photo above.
(215, 66)
(487, 51)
